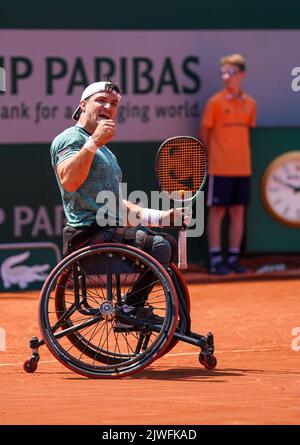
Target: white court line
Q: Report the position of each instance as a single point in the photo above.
(224, 352)
(21, 364)
(169, 355)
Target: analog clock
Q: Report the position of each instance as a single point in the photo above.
(281, 188)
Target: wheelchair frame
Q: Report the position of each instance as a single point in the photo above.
(151, 340)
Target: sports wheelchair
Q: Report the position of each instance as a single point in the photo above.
(81, 311)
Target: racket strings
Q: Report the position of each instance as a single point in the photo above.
(181, 165)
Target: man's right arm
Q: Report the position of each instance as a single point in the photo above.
(73, 171)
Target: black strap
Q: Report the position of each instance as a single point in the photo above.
(127, 235)
(122, 234)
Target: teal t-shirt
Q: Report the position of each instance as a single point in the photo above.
(83, 207)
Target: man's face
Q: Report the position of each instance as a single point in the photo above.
(100, 106)
(232, 76)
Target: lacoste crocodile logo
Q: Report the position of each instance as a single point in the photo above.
(13, 273)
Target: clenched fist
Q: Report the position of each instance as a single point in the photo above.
(104, 132)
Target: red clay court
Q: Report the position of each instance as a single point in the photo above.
(256, 380)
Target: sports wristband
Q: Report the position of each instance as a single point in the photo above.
(152, 217)
(91, 145)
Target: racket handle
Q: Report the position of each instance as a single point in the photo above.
(182, 260)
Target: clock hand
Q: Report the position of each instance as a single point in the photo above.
(291, 186)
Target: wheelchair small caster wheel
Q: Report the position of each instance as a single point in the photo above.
(30, 365)
(209, 361)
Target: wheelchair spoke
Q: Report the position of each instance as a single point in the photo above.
(130, 350)
(80, 337)
(116, 344)
(63, 317)
(135, 280)
(67, 301)
(100, 284)
(78, 327)
(88, 341)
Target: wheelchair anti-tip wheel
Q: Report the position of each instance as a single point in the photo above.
(82, 317)
(209, 361)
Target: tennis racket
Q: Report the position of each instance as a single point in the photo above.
(181, 172)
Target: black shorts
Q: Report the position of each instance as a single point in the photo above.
(228, 190)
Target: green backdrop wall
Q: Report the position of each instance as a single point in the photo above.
(151, 14)
(30, 198)
(264, 233)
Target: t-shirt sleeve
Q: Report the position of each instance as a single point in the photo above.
(209, 114)
(252, 117)
(64, 148)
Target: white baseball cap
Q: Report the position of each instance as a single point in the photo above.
(94, 88)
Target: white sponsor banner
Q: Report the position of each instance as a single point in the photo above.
(167, 76)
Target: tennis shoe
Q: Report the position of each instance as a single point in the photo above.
(237, 267)
(219, 268)
(126, 322)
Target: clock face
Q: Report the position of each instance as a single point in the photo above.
(281, 189)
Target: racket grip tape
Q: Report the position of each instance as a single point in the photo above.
(182, 256)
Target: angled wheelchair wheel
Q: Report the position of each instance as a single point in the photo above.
(184, 306)
(82, 317)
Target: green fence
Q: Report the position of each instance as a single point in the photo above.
(30, 206)
(263, 232)
(151, 14)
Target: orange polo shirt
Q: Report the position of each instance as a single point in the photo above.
(229, 119)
